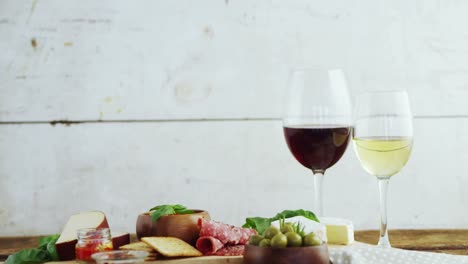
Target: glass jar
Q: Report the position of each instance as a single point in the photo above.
(92, 240)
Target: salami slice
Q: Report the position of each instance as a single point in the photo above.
(208, 245)
(227, 234)
(231, 251)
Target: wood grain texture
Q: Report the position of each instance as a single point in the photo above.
(11, 245)
(451, 241)
(111, 60)
(196, 260)
(155, 61)
(125, 170)
(208, 260)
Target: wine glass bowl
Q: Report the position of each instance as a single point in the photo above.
(317, 121)
(317, 147)
(383, 157)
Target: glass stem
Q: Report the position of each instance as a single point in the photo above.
(318, 187)
(383, 187)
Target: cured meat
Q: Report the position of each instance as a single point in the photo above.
(208, 245)
(227, 234)
(221, 239)
(231, 251)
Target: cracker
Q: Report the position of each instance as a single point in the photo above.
(138, 246)
(172, 247)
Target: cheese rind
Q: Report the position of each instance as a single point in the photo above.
(339, 231)
(120, 239)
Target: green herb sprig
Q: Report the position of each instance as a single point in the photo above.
(296, 226)
(46, 251)
(168, 209)
(299, 229)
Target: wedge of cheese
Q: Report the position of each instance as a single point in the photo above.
(339, 231)
(65, 245)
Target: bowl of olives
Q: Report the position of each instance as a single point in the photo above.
(284, 245)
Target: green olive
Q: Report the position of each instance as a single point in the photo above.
(287, 227)
(279, 241)
(271, 232)
(264, 243)
(312, 239)
(255, 240)
(294, 239)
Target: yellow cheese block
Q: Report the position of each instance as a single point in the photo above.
(339, 231)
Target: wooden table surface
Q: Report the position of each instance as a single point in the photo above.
(452, 241)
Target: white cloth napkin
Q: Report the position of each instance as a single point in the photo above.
(358, 253)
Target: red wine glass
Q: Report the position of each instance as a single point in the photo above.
(317, 122)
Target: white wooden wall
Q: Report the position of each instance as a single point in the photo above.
(179, 101)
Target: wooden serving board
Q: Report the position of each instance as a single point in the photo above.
(451, 241)
(10, 245)
(207, 260)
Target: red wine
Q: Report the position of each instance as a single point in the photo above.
(317, 147)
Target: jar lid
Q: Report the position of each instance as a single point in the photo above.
(93, 233)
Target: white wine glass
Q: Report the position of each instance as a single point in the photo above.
(383, 140)
(317, 121)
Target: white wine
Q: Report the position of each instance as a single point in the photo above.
(383, 157)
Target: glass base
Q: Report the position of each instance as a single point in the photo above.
(384, 242)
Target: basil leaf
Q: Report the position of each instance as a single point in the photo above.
(156, 208)
(162, 211)
(44, 241)
(48, 244)
(179, 207)
(184, 211)
(53, 250)
(168, 209)
(260, 224)
(46, 251)
(29, 256)
(257, 223)
(299, 212)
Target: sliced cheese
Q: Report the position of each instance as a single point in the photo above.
(309, 226)
(339, 231)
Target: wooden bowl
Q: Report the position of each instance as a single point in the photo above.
(289, 255)
(183, 226)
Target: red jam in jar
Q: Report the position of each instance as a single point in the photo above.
(92, 240)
